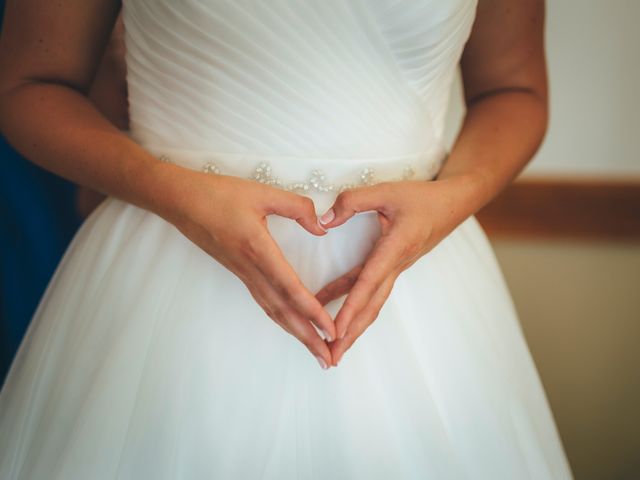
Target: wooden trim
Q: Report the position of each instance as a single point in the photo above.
(584, 208)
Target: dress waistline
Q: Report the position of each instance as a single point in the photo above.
(305, 173)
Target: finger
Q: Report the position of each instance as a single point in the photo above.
(363, 320)
(290, 320)
(296, 207)
(379, 264)
(352, 201)
(304, 331)
(264, 253)
(338, 287)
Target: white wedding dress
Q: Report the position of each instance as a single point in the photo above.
(147, 359)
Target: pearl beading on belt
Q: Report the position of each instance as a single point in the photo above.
(316, 180)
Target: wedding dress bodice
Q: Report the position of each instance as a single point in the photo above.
(340, 82)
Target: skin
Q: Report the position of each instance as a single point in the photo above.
(108, 93)
(506, 94)
(50, 53)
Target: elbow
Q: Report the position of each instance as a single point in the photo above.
(16, 93)
(8, 91)
(5, 95)
(530, 101)
(542, 112)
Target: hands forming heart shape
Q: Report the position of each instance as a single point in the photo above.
(414, 216)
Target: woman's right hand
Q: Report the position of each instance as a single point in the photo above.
(226, 217)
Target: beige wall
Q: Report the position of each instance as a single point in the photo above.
(594, 76)
(579, 305)
(594, 71)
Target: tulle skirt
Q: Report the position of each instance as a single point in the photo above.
(147, 359)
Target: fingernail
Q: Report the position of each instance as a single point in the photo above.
(343, 334)
(326, 335)
(327, 216)
(322, 363)
(322, 227)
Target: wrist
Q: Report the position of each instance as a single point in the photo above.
(470, 192)
(161, 188)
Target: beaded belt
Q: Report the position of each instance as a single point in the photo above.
(306, 174)
(319, 178)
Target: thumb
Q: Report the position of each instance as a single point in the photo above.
(349, 202)
(296, 207)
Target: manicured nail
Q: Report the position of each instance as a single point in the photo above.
(322, 363)
(326, 335)
(322, 227)
(327, 216)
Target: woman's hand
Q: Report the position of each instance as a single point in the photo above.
(226, 217)
(414, 217)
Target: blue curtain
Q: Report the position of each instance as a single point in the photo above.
(38, 221)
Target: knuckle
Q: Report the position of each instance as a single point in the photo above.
(243, 272)
(344, 198)
(272, 312)
(306, 339)
(374, 313)
(306, 203)
(410, 248)
(284, 292)
(269, 311)
(314, 343)
(280, 316)
(286, 327)
(349, 305)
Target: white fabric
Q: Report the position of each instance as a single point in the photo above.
(146, 359)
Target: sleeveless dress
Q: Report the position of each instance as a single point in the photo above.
(147, 359)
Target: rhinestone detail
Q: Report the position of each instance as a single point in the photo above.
(316, 180)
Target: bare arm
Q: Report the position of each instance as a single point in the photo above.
(108, 93)
(506, 93)
(49, 54)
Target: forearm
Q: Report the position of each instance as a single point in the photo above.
(500, 134)
(59, 129)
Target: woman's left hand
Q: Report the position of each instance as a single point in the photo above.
(414, 217)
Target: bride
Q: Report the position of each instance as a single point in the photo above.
(283, 193)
